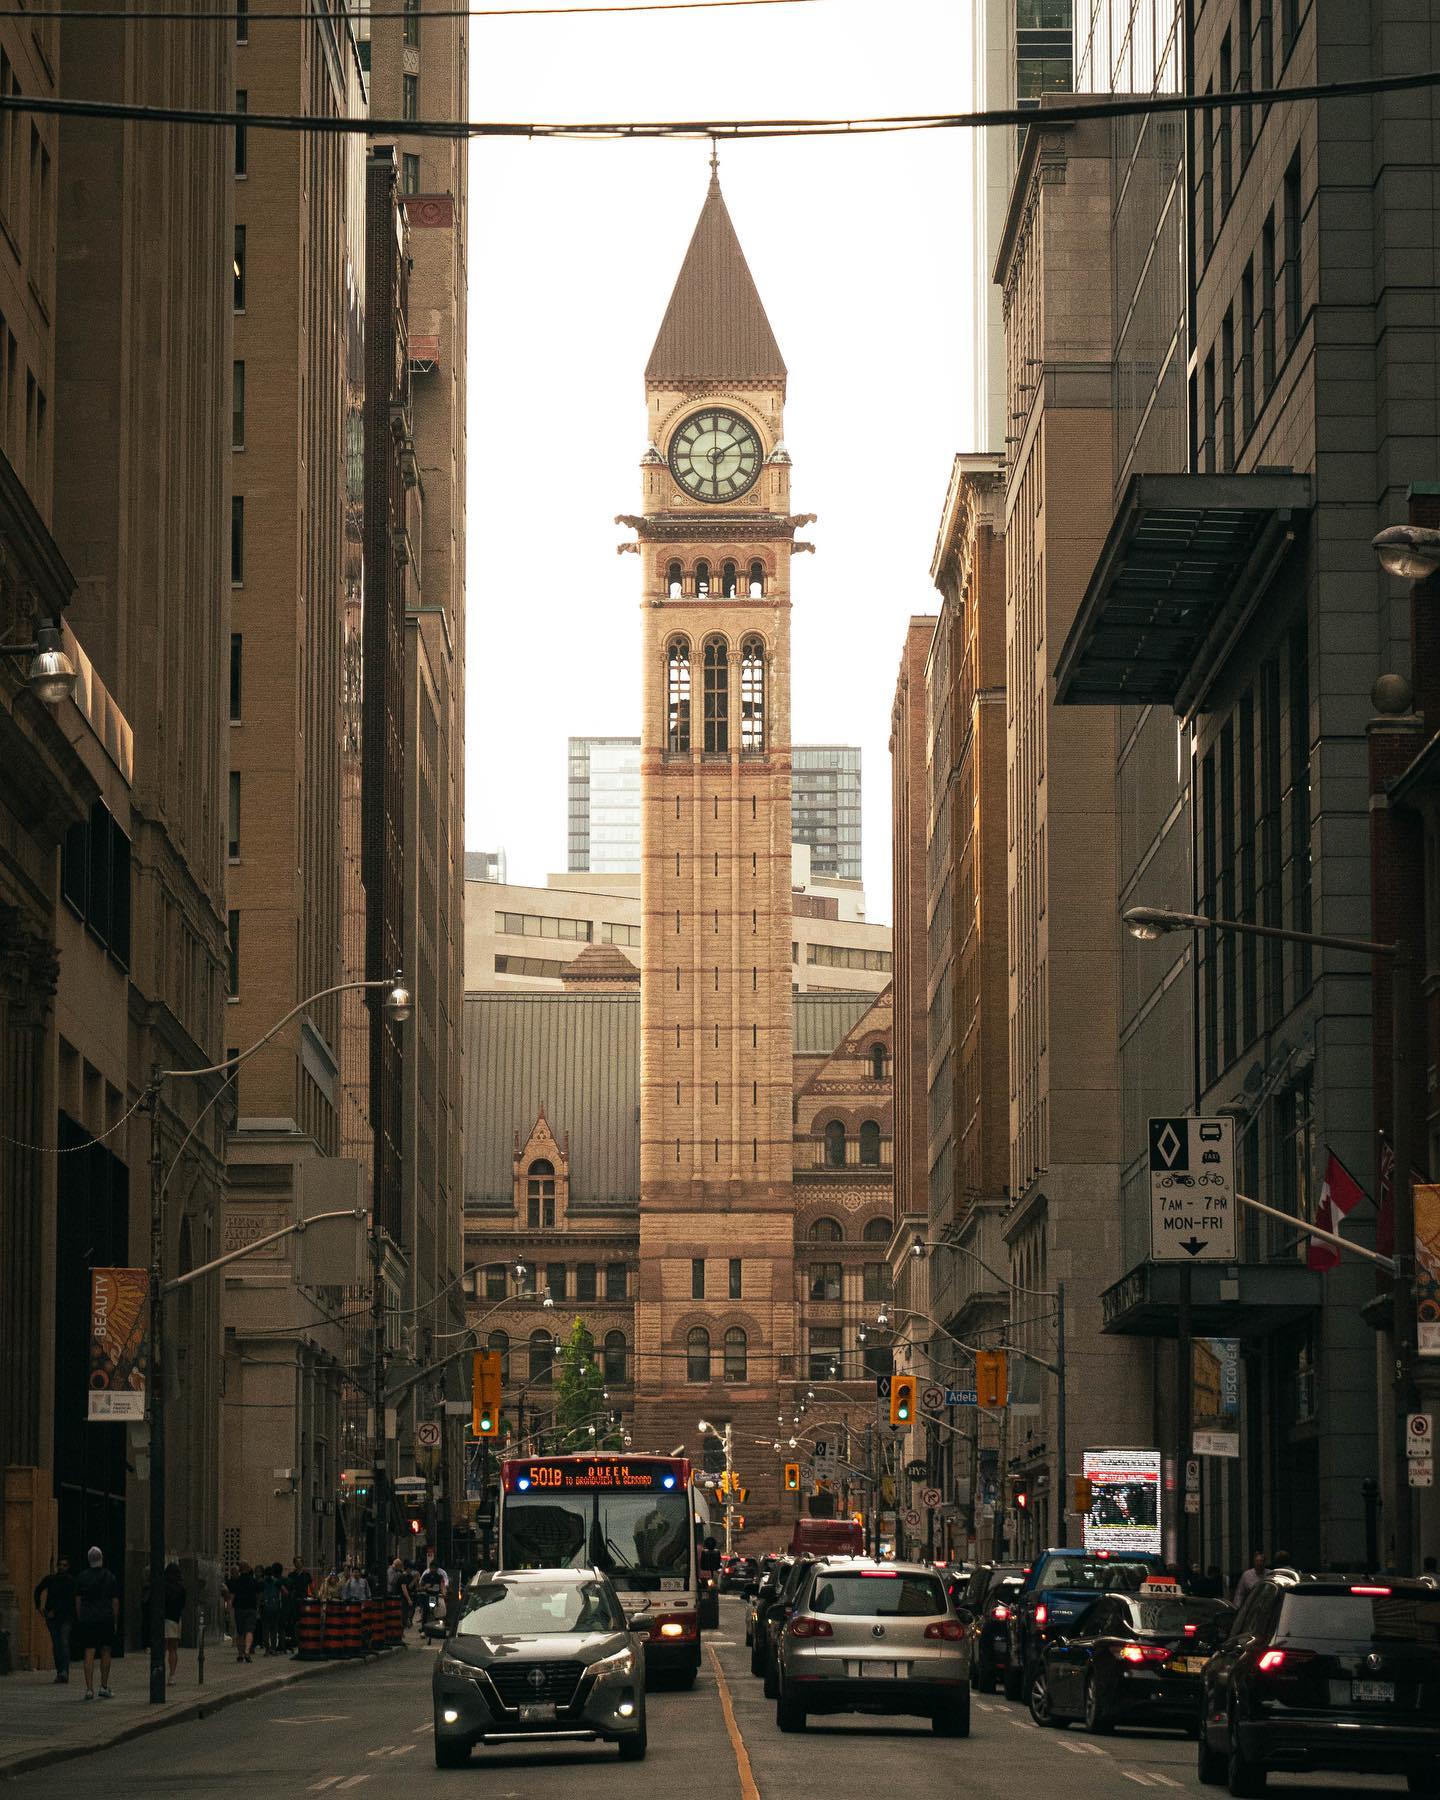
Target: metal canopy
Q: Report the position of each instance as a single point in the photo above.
(1186, 561)
(1244, 1300)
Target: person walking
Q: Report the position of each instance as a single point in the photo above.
(1251, 1577)
(272, 1606)
(55, 1603)
(296, 1583)
(356, 1587)
(173, 1601)
(245, 1605)
(97, 1612)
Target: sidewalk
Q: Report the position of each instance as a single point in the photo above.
(43, 1723)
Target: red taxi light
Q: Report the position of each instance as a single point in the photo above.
(950, 1629)
(999, 1612)
(1143, 1653)
(1042, 1613)
(1371, 1590)
(802, 1627)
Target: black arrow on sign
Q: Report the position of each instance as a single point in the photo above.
(1194, 1245)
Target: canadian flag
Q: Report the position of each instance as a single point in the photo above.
(1337, 1201)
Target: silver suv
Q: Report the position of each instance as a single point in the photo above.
(874, 1638)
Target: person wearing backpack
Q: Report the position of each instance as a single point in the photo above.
(272, 1608)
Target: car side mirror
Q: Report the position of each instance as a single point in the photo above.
(638, 1622)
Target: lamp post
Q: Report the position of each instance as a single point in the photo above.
(51, 674)
(1150, 922)
(399, 1006)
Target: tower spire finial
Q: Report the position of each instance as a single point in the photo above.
(714, 163)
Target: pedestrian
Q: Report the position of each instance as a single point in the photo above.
(97, 1612)
(173, 1600)
(245, 1606)
(55, 1603)
(330, 1585)
(272, 1606)
(355, 1586)
(297, 1588)
(1251, 1577)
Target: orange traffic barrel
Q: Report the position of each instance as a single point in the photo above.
(309, 1645)
(333, 1640)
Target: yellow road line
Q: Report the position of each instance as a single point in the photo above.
(748, 1789)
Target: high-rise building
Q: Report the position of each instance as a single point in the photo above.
(604, 807)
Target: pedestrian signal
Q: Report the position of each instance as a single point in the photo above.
(485, 1386)
(902, 1399)
(991, 1380)
(792, 1478)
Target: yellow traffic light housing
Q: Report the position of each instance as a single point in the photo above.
(902, 1399)
(792, 1478)
(1082, 1494)
(991, 1378)
(485, 1391)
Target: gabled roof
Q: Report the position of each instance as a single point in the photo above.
(715, 328)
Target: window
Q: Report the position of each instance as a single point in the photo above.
(824, 1363)
(409, 96)
(620, 934)
(702, 580)
(1289, 24)
(525, 1280)
(825, 1281)
(1247, 351)
(242, 145)
(237, 649)
(675, 581)
(1207, 441)
(752, 695)
(233, 829)
(1243, 82)
(585, 1281)
(878, 1062)
(500, 1340)
(826, 1231)
(239, 268)
(409, 173)
(617, 1357)
(542, 1356)
(555, 1280)
(1222, 128)
(1267, 304)
(847, 956)
(540, 1196)
(677, 694)
(757, 580)
(412, 23)
(1292, 251)
(542, 967)
(1227, 392)
(237, 406)
(729, 581)
(1207, 182)
(95, 879)
(834, 1145)
(242, 21)
(717, 696)
(877, 1231)
(237, 540)
(232, 962)
(877, 1281)
(737, 1355)
(735, 1267)
(575, 931)
(697, 1354)
(697, 1278)
(615, 1281)
(495, 1281)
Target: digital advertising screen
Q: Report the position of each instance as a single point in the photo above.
(1124, 1500)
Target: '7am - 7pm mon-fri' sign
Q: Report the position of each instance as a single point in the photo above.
(1192, 1190)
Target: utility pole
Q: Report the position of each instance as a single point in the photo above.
(1184, 1379)
(1402, 1328)
(1060, 1444)
(379, 1453)
(1002, 1458)
(155, 1381)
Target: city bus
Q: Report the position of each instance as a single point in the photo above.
(635, 1517)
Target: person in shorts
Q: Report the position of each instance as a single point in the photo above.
(245, 1606)
(174, 1603)
(97, 1612)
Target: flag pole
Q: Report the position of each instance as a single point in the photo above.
(1318, 1231)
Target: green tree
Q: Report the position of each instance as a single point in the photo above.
(580, 1397)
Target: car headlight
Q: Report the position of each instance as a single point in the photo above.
(621, 1663)
(452, 1665)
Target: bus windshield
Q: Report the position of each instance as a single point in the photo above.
(641, 1541)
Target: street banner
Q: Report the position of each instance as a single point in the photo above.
(1427, 1267)
(1215, 1396)
(119, 1344)
(1124, 1500)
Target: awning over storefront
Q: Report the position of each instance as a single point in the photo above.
(1245, 1300)
(1186, 561)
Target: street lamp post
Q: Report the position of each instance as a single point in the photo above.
(399, 1006)
(1150, 922)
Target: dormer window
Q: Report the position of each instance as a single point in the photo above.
(540, 1196)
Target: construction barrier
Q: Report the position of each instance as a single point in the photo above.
(394, 1620)
(372, 1625)
(309, 1631)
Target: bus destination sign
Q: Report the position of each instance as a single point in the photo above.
(588, 1475)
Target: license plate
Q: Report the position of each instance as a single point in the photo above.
(1187, 1665)
(877, 1670)
(542, 1713)
(1372, 1690)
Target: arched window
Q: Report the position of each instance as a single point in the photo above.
(729, 581)
(697, 1354)
(826, 1231)
(877, 1231)
(752, 694)
(870, 1144)
(834, 1145)
(737, 1355)
(617, 1357)
(542, 1356)
(717, 694)
(702, 580)
(674, 581)
(757, 580)
(540, 1196)
(677, 694)
(878, 1062)
(500, 1340)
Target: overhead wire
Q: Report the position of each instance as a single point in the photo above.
(318, 16)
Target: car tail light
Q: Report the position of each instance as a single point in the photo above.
(879, 1575)
(1190, 1630)
(1042, 1613)
(1143, 1653)
(950, 1629)
(1271, 1660)
(999, 1612)
(803, 1627)
(1370, 1590)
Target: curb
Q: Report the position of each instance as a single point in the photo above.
(196, 1709)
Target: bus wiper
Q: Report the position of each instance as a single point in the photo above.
(621, 1561)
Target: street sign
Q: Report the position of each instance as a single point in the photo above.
(882, 1387)
(932, 1398)
(912, 1516)
(826, 1459)
(1419, 1434)
(1216, 1443)
(1192, 1474)
(457, 1409)
(961, 1397)
(409, 1484)
(1192, 1503)
(1421, 1470)
(917, 1470)
(427, 1434)
(1192, 1190)
(931, 1497)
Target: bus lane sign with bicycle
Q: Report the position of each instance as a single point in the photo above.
(1192, 1190)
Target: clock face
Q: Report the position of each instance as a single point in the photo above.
(715, 455)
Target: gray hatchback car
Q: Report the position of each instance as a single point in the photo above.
(539, 1654)
(874, 1638)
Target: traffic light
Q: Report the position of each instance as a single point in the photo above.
(902, 1399)
(792, 1478)
(1020, 1492)
(1082, 1494)
(991, 1380)
(485, 1385)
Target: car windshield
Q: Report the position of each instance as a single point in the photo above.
(1405, 1617)
(881, 1595)
(538, 1609)
(1090, 1572)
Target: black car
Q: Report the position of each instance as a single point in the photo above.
(764, 1593)
(984, 1599)
(772, 1621)
(1059, 1586)
(1326, 1672)
(1130, 1659)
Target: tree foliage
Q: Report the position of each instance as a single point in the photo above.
(580, 1397)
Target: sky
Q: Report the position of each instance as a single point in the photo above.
(860, 248)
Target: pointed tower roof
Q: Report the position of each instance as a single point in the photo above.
(715, 326)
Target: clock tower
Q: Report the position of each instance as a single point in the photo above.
(716, 1309)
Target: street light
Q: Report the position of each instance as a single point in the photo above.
(51, 675)
(1410, 551)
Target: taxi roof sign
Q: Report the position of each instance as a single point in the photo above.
(1163, 1585)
